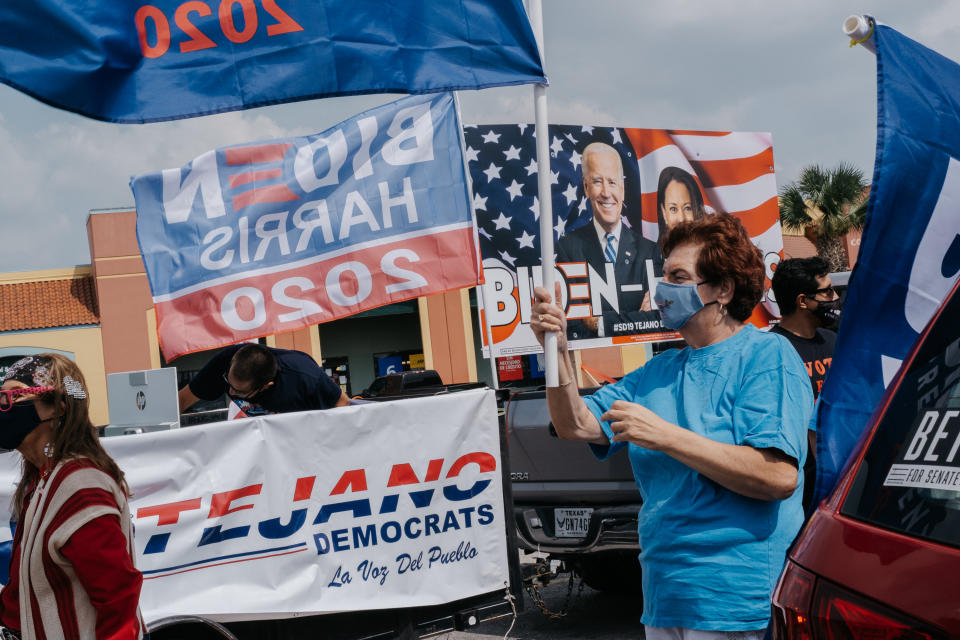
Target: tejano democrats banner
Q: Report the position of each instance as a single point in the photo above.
(375, 506)
(259, 238)
(150, 60)
(632, 183)
(909, 255)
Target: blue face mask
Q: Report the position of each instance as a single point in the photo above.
(677, 303)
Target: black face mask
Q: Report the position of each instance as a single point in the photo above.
(254, 398)
(828, 313)
(16, 423)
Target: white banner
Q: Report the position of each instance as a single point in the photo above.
(376, 506)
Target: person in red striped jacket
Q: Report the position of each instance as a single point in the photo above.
(72, 573)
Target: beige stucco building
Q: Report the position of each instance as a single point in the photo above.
(102, 317)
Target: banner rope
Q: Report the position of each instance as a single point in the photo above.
(509, 597)
(869, 35)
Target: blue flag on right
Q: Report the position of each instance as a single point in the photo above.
(910, 251)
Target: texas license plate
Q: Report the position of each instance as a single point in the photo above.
(571, 523)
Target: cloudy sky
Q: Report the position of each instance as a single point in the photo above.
(747, 65)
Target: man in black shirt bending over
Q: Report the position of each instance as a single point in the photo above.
(263, 380)
(810, 311)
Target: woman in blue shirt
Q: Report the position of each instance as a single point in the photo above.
(715, 433)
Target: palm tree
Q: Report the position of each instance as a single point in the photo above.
(825, 204)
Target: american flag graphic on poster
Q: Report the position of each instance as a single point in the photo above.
(730, 172)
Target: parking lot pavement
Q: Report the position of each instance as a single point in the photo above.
(591, 614)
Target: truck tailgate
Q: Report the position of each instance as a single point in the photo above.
(547, 469)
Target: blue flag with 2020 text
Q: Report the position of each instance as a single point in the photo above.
(910, 251)
(134, 61)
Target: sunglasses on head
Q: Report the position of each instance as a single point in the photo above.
(8, 396)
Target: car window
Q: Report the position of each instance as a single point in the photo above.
(909, 480)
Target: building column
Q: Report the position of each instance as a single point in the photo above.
(305, 339)
(122, 292)
(447, 334)
(610, 361)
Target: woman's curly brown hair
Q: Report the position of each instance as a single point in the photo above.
(725, 252)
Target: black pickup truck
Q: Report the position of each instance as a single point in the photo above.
(568, 504)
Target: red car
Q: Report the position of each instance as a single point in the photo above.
(880, 558)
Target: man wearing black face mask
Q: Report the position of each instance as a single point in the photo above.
(810, 311)
(263, 380)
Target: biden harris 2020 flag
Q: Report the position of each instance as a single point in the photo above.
(258, 238)
(145, 61)
(910, 252)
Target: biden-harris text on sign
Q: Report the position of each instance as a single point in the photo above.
(258, 238)
(654, 179)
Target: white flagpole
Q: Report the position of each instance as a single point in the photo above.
(482, 310)
(546, 200)
(860, 31)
